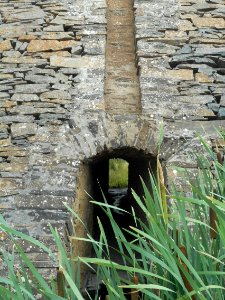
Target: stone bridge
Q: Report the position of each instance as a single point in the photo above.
(86, 80)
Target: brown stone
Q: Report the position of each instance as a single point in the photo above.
(23, 60)
(202, 111)
(208, 22)
(172, 37)
(6, 76)
(5, 143)
(5, 46)
(182, 74)
(27, 37)
(60, 36)
(208, 41)
(8, 184)
(55, 95)
(203, 78)
(11, 151)
(3, 126)
(58, 53)
(77, 62)
(12, 32)
(50, 45)
(13, 167)
(9, 104)
(184, 25)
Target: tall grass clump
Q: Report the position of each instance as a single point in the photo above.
(174, 252)
(21, 280)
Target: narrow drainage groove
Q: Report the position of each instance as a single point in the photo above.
(122, 87)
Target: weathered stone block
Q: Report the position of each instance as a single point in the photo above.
(47, 55)
(214, 107)
(201, 22)
(182, 74)
(50, 45)
(5, 46)
(32, 88)
(25, 97)
(6, 76)
(56, 96)
(24, 60)
(23, 129)
(27, 37)
(221, 113)
(32, 13)
(42, 201)
(85, 62)
(31, 110)
(16, 119)
(9, 186)
(203, 78)
(40, 78)
(5, 142)
(12, 151)
(13, 167)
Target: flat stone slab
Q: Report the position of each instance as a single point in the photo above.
(23, 129)
(56, 96)
(202, 22)
(8, 186)
(182, 74)
(50, 45)
(5, 46)
(42, 201)
(25, 97)
(23, 60)
(85, 62)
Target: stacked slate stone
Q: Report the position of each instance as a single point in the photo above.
(181, 53)
(51, 66)
(181, 56)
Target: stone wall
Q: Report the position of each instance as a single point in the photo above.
(52, 110)
(180, 49)
(51, 72)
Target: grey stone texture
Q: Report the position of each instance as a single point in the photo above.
(52, 110)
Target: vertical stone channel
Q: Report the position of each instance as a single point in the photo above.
(122, 89)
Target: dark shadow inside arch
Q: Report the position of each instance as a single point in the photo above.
(96, 170)
(139, 165)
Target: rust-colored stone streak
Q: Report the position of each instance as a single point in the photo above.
(122, 91)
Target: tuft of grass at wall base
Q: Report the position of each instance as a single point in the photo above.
(118, 173)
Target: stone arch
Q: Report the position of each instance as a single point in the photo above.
(93, 172)
(105, 136)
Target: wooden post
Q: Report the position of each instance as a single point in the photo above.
(60, 283)
(213, 219)
(185, 280)
(134, 292)
(216, 146)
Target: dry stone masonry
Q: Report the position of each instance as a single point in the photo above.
(52, 69)
(60, 108)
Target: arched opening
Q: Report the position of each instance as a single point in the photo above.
(101, 174)
(116, 174)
